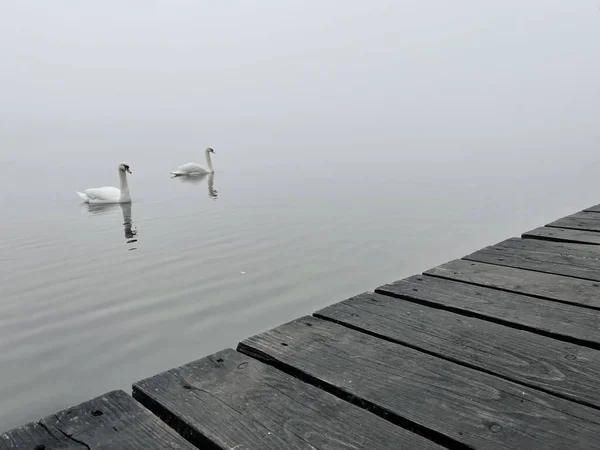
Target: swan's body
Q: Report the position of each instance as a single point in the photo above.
(109, 194)
(196, 169)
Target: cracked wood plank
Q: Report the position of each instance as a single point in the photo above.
(567, 370)
(470, 408)
(573, 260)
(557, 320)
(229, 400)
(34, 436)
(563, 235)
(551, 287)
(111, 421)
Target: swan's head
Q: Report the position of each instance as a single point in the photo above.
(210, 150)
(124, 167)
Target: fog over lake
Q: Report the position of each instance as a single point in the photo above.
(356, 143)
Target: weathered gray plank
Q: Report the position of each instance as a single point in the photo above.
(563, 235)
(111, 421)
(552, 287)
(570, 371)
(34, 436)
(468, 406)
(561, 259)
(589, 221)
(558, 320)
(595, 208)
(233, 401)
(562, 248)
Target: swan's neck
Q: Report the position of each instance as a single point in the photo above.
(211, 186)
(209, 162)
(124, 186)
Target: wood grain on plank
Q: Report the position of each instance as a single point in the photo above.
(233, 401)
(552, 287)
(589, 221)
(567, 370)
(559, 320)
(34, 436)
(563, 235)
(573, 260)
(470, 407)
(111, 421)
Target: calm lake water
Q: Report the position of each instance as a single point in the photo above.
(346, 157)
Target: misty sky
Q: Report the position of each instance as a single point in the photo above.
(433, 78)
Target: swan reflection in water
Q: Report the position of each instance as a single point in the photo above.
(197, 179)
(130, 231)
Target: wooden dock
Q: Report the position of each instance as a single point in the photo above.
(496, 350)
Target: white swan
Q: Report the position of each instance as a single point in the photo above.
(196, 169)
(109, 194)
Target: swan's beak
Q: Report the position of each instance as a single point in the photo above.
(128, 171)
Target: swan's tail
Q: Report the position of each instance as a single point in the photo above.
(83, 197)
